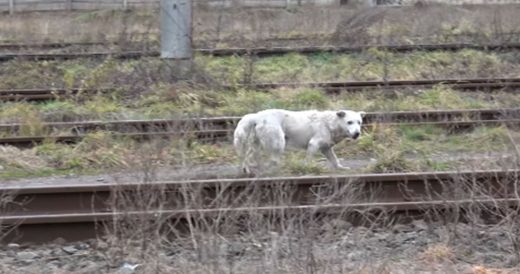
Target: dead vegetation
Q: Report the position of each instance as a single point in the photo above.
(453, 237)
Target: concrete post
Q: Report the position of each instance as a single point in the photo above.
(11, 6)
(176, 29)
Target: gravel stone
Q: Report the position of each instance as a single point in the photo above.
(26, 255)
(13, 246)
(69, 249)
(420, 225)
(353, 248)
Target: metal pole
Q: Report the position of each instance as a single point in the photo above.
(176, 29)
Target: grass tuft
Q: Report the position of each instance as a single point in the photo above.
(294, 164)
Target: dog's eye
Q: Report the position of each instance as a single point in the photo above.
(350, 122)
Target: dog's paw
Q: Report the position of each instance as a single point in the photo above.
(248, 172)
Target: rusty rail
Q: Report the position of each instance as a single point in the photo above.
(475, 84)
(335, 87)
(257, 51)
(267, 51)
(35, 206)
(69, 56)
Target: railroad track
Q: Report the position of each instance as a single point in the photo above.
(37, 212)
(258, 51)
(220, 128)
(41, 94)
(49, 45)
(470, 84)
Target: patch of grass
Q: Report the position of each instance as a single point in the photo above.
(420, 133)
(244, 101)
(389, 161)
(11, 174)
(289, 67)
(309, 99)
(101, 106)
(378, 138)
(370, 65)
(487, 138)
(294, 164)
(58, 106)
(73, 74)
(438, 165)
(441, 96)
(60, 156)
(14, 158)
(228, 70)
(26, 114)
(210, 153)
(101, 149)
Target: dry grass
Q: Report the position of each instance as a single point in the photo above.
(437, 253)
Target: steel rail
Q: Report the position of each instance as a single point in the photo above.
(475, 84)
(267, 51)
(257, 51)
(459, 84)
(45, 228)
(40, 206)
(69, 56)
(65, 217)
(51, 45)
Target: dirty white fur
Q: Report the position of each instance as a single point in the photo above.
(273, 130)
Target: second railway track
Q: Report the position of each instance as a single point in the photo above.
(470, 84)
(256, 51)
(221, 128)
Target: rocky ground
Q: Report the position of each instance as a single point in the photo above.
(337, 247)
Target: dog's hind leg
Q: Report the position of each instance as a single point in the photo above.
(250, 158)
(272, 140)
(244, 141)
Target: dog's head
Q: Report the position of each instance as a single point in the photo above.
(350, 122)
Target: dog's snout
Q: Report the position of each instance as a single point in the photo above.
(355, 136)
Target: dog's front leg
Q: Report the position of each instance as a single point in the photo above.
(331, 156)
(312, 148)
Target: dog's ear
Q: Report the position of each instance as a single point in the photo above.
(341, 114)
(362, 113)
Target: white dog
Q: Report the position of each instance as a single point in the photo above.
(274, 129)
